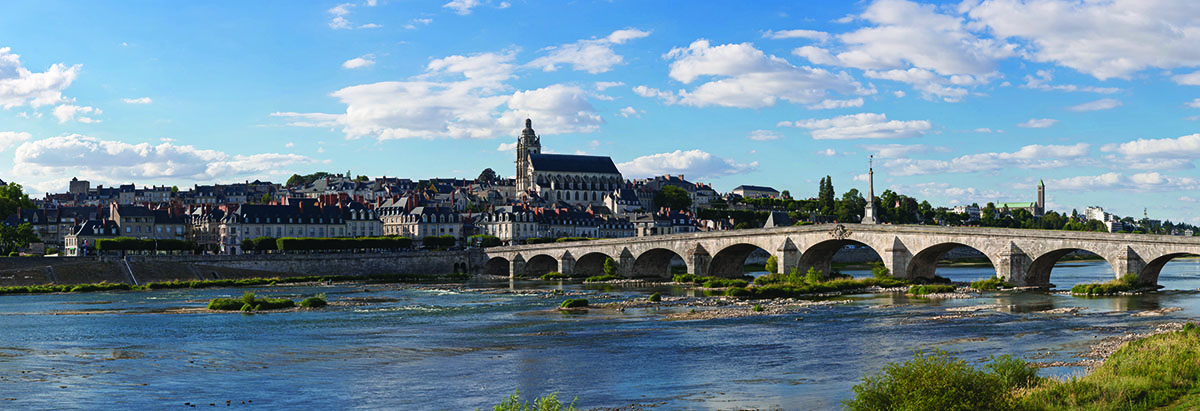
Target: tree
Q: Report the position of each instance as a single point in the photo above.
(610, 266)
(772, 265)
(488, 175)
(786, 195)
(672, 197)
(14, 238)
(825, 195)
(13, 197)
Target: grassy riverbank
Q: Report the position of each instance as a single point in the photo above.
(1157, 372)
(245, 282)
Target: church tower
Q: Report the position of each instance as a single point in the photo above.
(1041, 201)
(528, 143)
(869, 212)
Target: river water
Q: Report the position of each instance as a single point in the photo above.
(403, 347)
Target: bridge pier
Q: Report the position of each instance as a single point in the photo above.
(518, 267)
(896, 259)
(1129, 262)
(1013, 265)
(700, 260)
(625, 263)
(566, 264)
(788, 256)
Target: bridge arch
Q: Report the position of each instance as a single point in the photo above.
(540, 264)
(924, 263)
(1040, 269)
(1149, 274)
(731, 260)
(497, 266)
(656, 262)
(591, 264)
(820, 255)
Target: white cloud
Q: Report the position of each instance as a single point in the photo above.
(47, 161)
(983, 130)
(695, 163)
(1030, 156)
(862, 125)
(829, 152)
(650, 92)
(359, 62)
(1042, 81)
(12, 138)
(457, 97)
(605, 85)
(1141, 182)
(290, 144)
(1190, 79)
(340, 22)
(1194, 103)
(1038, 123)
(949, 194)
(1105, 39)
(629, 111)
(593, 55)
(899, 93)
(412, 25)
(506, 147)
(20, 87)
(140, 100)
(1101, 104)
(763, 135)
(797, 34)
(749, 78)
(68, 112)
(894, 151)
(462, 7)
(1185, 147)
(832, 104)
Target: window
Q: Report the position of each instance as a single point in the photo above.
(128, 229)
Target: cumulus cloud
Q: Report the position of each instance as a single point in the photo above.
(832, 104)
(1044, 78)
(629, 111)
(12, 138)
(897, 150)
(1190, 79)
(1194, 103)
(506, 147)
(1104, 39)
(456, 97)
(693, 163)
(359, 62)
(1140, 182)
(68, 112)
(463, 7)
(1030, 156)
(829, 152)
(763, 135)
(797, 34)
(1101, 104)
(1185, 147)
(950, 194)
(1038, 123)
(650, 92)
(140, 100)
(340, 20)
(412, 25)
(745, 77)
(48, 160)
(605, 85)
(592, 55)
(20, 87)
(862, 125)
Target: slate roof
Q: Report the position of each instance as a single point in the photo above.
(756, 188)
(573, 163)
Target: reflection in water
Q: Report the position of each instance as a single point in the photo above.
(404, 348)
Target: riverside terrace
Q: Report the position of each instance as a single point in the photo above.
(1022, 257)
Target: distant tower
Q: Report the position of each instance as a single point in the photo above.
(1041, 204)
(528, 143)
(869, 211)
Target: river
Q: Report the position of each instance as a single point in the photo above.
(404, 347)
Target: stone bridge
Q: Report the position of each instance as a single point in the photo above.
(1023, 257)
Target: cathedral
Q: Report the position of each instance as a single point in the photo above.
(572, 179)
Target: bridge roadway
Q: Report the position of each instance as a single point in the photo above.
(1023, 257)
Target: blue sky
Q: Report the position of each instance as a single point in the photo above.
(960, 101)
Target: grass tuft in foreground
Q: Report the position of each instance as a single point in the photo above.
(991, 284)
(317, 301)
(601, 278)
(930, 289)
(555, 275)
(937, 380)
(249, 302)
(548, 402)
(574, 303)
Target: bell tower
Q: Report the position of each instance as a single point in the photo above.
(528, 143)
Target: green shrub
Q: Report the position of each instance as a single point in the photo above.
(758, 308)
(225, 304)
(572, 239)
(878, 270)
(314, 302)
(610, 267)
(1013, 372)
(930, 289)
(813, 276)
(600, 278)
(1126, 283)
(484, 240)
(549, 402)
(993, 283)
(717, 282)
(654, 298)
(249, 302)
(738, 292)
(684, 278)
(931, 280)
(772, 265)
(554, 275)
(574, 303)
(936, 381)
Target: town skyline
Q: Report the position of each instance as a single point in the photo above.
(967, 108)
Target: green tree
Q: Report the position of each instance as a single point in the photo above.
(772, 265)
(12, 197)
(672, 197)
(610, 266)
(14, 238)
(786, 195)
(825, 195)
(488, 175)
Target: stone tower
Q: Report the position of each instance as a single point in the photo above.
(869, 212)
(1041, 201)
(528, 143)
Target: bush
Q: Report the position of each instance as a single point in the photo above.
(1126, 283)
(554, 275)
(538, 240)
(314, 302)
(813, 276)
(249, 302)
(610, 267)
(758, 308)
(738, 292)
(1013, 372)
(225, 304)
(654, 298)
(930, 289)
(572, 239)
(878, 270)
(937, 381)
(993, 283)
(772, 265)
(717, 282)
(684, 278)
(574, 303)
(600, 278)
(549, 402)
(484, 240)
(931, 280)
